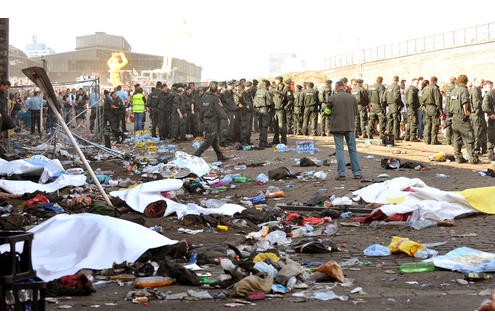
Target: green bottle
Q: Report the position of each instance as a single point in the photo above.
(426, 266)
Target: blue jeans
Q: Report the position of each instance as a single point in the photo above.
(138, 121)
(420, 124)
(350, 138)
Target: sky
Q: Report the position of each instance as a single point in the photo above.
(233, 39)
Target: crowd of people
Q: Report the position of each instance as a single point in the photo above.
(463, 110)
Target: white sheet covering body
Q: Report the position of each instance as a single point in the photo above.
(67, 243)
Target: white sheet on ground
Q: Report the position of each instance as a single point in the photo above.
(67, 243)
(20, 187)
(140, 196)
(195, 164)
(49, 167)
(433, 203)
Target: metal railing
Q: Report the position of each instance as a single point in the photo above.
(456, 38)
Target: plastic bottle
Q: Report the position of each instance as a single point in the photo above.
(280, 148)
(291, 283)
(227, 265)
(425, 266)
(226, 180)
(241, 179)
(267, 268)
(151, 282)
(9, 300)
(330, 229)
(299, 232)
(258, 199)
(261, 179)
(240, 167)
(345, 215)
(274, 192)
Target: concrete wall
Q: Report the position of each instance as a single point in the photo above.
(475, 61)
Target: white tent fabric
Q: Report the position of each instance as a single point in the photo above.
(20, 187)
(432, 203)
(67, 243)
(140, 196)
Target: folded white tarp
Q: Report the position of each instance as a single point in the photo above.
(20, 187)
(140, 196)
(67, 243)
(403, 195)
(49, 168)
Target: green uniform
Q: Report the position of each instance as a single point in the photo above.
(391, 97)
(165, 103)
(298, 112)
(431, 103)
(289, 112)
(461, 124)
(280, 98)
(244, 104)
(212, 114)
(311, 103)
(362, 99)
(489, 109)
(448, 115)
(177, 124)
(478, 121)
(325, 118)
(412, 103)
(377, 109)
(153, 100)
(228, 131)
(262, 105)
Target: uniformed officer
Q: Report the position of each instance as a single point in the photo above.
(188, 99)
(460, 107)
(153, 99)
(262, 105)
(477, 118)
(376, 108)
(165, 104)
(212, 116)
(177, 116)
(489, 109)
(412, 103)
(244, 104)
(431, 101)
(448, 115)
(392, 98)
(255, 118)
(279, 97)
(298, 110)
(311, 103)
(325, 111)
(117, 106)
(362, 99)
(289, 107)
(227, 98)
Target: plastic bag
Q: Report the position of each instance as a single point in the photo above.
(466, 260)
(377, 250)
(400, 244)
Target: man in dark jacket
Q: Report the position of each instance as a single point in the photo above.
(344, 109)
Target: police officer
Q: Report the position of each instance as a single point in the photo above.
(477, 118)
(177, 116)
(255, 118)
(280, 99)
(431, 101)
(244, 104)
(117, 107)
(226, 95)
(412, 103)
(460, 107)
(311, 103)
(376, 108)
(325, 111)
(448, 115)
(392, 98)
(289, 107)
(165, 103)
(298, 110)
(262, 105)
(489, 109)
(212, 115)
(361, 96)
(153, 99)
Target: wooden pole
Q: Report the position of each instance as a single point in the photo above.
(40, 78)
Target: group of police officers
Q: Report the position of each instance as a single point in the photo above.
(226, 113)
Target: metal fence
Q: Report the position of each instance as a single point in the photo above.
(457, 38)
